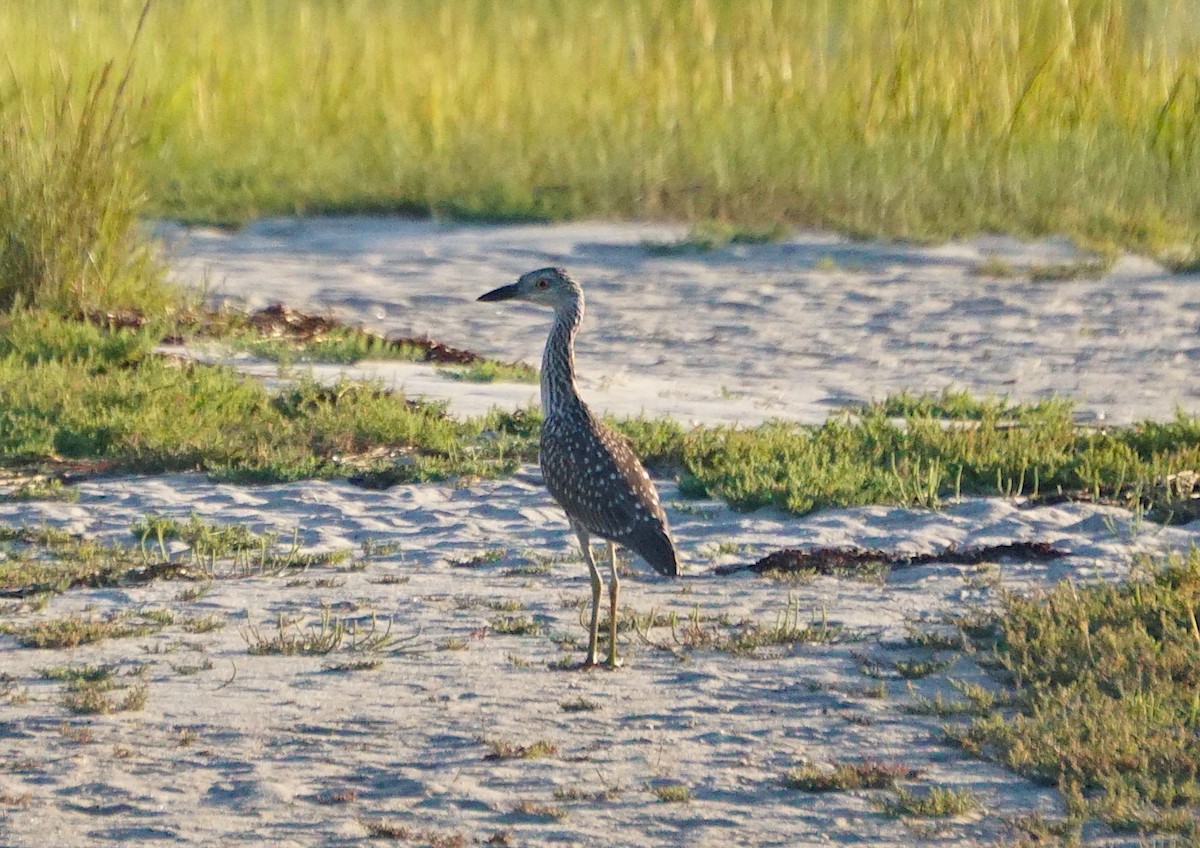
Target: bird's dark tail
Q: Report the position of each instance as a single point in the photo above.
(654, 545)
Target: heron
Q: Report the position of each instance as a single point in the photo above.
(589, 469)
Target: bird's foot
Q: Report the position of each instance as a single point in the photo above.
(612, 663)
(587, 665)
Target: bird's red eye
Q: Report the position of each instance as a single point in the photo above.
(542, 283)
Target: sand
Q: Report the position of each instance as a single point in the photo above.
(234, 748)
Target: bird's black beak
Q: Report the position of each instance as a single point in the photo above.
(503, 293)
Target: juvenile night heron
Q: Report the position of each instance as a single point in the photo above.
(588, 468)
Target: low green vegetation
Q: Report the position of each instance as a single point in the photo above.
(919, 120)
(1103, 681)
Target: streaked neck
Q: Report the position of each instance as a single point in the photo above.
(558, 360)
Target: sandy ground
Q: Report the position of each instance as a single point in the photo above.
(234, 748)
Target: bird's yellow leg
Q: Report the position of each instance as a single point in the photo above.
(597, 587)
(614, 589)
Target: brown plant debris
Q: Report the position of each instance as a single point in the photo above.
(282, 321)
(849, 559)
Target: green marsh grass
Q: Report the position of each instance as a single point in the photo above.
(73, 187)
(918, 120)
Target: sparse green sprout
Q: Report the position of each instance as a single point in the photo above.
(186, 670)
(530, 569)
(706, 236)
(496, 604)
(345, 345)
(536, 810)
(161, 617)
(939, 706)
(382, 829)
(937, 802)
(944, 639)
(877, 690)
(74, 630)
(515, 625)
(787, 629)
(488, 371)
(42, 489)
(372, 549)
(390, 580)
(579, 705)
(194, 592)
(290, 639)
(476, 560)
(993, 266)
(1045, 831)
(204, 623)
(845, 776)
(81, 674)
(672, 793)
(98, 700)
(98, 690)
(1084, 268)
(577, 793)
(916, 669)
(347, 666)
(502, 749)
(80, 734)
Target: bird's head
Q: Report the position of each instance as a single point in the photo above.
(547, 286)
